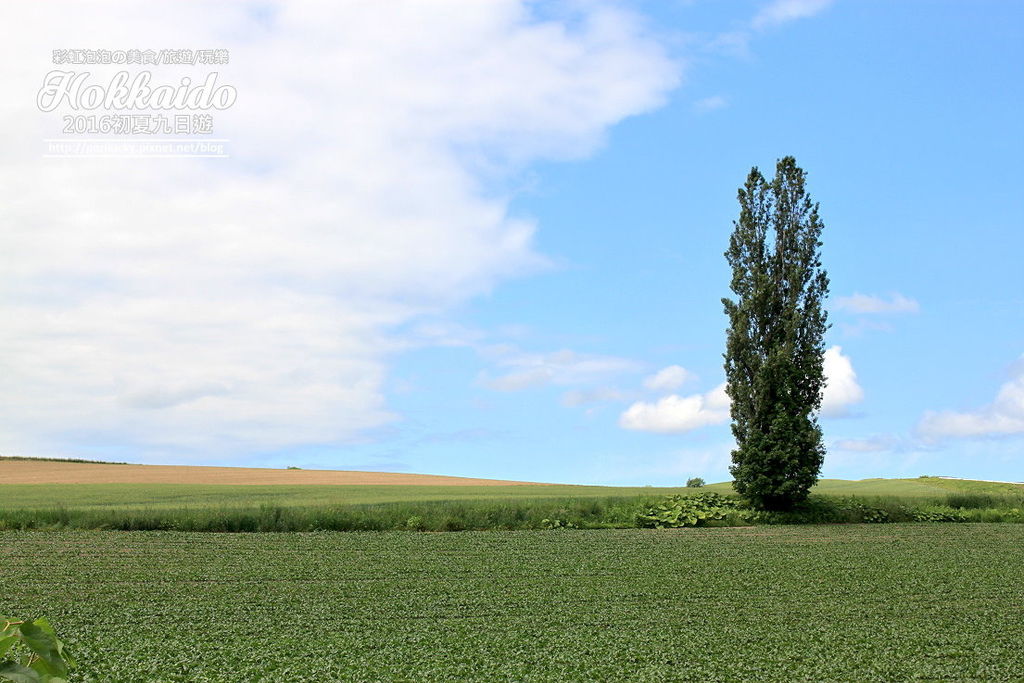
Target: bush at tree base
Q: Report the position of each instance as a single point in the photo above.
(683, 511)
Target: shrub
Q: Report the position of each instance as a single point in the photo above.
(864, 513)
(814, 510)
(683, 511)
(828, 510)
(694, 483)
(937, 513)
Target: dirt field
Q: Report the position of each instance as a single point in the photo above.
(50, 472)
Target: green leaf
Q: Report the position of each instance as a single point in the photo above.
(40, 639)
(19, 674)
(11, 626)
(6, 643)
(44, 624)
(45, 675)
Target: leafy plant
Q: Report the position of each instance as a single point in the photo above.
(682, 511)
(858, 511)
(45, 660)
(873, 515)
(937, 514)
(694, 483)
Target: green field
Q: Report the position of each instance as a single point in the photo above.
(272, 508)
(163, 496)
(853, 602)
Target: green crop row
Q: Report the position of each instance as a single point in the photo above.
(931, 490)
(823, 603)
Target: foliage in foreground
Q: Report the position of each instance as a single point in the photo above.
(31, 652)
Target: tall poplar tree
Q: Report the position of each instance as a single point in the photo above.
(775, 346)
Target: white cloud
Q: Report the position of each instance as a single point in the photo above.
(780, 12)
(709, 104)
(772, 15)
(668, 379)
(1004, 416)
(841, 388)
(560, 368)
(676, 414)
(230, 306)
(864, 304)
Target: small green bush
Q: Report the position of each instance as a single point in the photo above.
(865, 513)
(937, 513)
(828, 510)
(694, 483)
(682, 511)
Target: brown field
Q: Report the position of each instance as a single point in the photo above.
(51, 472)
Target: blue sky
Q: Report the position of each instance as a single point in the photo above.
(495, 261)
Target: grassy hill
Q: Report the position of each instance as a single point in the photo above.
(194, 495)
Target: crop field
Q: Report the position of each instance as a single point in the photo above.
(43, 471)
(29, 484)
(854, 602)
(96, 496)
(236, 495)
(163, 496)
